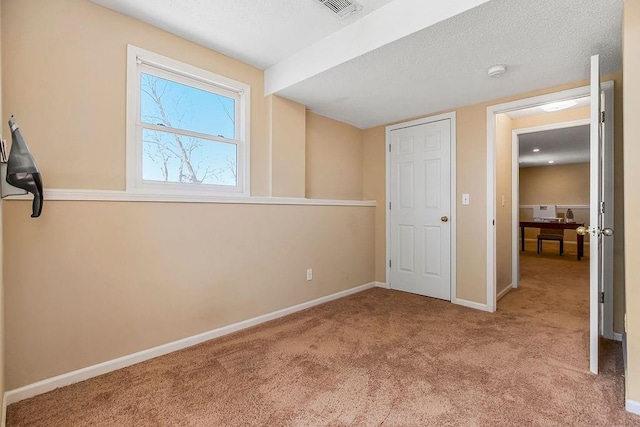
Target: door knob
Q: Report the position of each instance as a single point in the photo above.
(444, 218)
(583, 231)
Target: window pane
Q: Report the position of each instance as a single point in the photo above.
(168, 157)
(168, 103)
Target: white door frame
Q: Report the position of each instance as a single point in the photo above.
(515, 188)
(452, 218)
(492, 111)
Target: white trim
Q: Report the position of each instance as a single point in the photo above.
(558, 206)
(470, 304)
(594, 215)
(608, 194)
(382, 285)
(3, 421)
(491, 212)
(515, 214)
(632, 406)
(504, 292)
(617, 337)
(16, 395)
(57, 194)
(453, 191)
(454, 207)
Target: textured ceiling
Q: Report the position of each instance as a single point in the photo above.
(567, 145)
(257, 32)
(544, 43)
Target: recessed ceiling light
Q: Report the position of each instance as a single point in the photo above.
(497, 70)
(535, 150)
(557, 106)
(550, 161)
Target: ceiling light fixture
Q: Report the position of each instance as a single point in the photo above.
(557, 106)
(535, 150)
(497, 70)
(550, 161)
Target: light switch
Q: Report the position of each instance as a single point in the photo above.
(465, 199)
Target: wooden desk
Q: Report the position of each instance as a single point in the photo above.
(557, 226)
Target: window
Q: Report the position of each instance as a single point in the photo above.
(187, 128)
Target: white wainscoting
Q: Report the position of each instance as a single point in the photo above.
(565, 207)
(59, 194)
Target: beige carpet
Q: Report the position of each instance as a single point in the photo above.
(376, 358)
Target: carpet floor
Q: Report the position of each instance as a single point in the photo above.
(379, 357)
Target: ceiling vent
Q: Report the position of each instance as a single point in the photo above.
(341, 8)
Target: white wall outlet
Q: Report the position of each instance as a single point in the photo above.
(465, 199)
(309, 273)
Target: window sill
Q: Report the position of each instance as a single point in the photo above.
(56, 194)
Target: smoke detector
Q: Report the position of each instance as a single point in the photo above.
(341, 8)
(497, 70)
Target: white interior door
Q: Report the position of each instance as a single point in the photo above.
(420, 197)
(607, 219)
(597, 208)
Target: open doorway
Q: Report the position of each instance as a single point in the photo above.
(501, 202)
(550, 177)
(550, 189)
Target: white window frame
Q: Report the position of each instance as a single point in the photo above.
(140, 60)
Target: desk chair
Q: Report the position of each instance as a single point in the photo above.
(551, 234)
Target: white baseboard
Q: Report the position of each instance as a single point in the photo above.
(30, 390)
(617, 336)
(470, 304)
(503, 292)
(382, 285)
(633, 407)
(3, 421)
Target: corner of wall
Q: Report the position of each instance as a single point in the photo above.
(631, 101)
(2, 387)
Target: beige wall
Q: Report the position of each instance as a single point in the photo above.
(334, 159)
(2, 388)
(72, 53)
(555, 185)
(91, 281)
(471, 178)
(503, 202)
(288, 136)
(631, 61)
(374, 188)
(551, 118)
